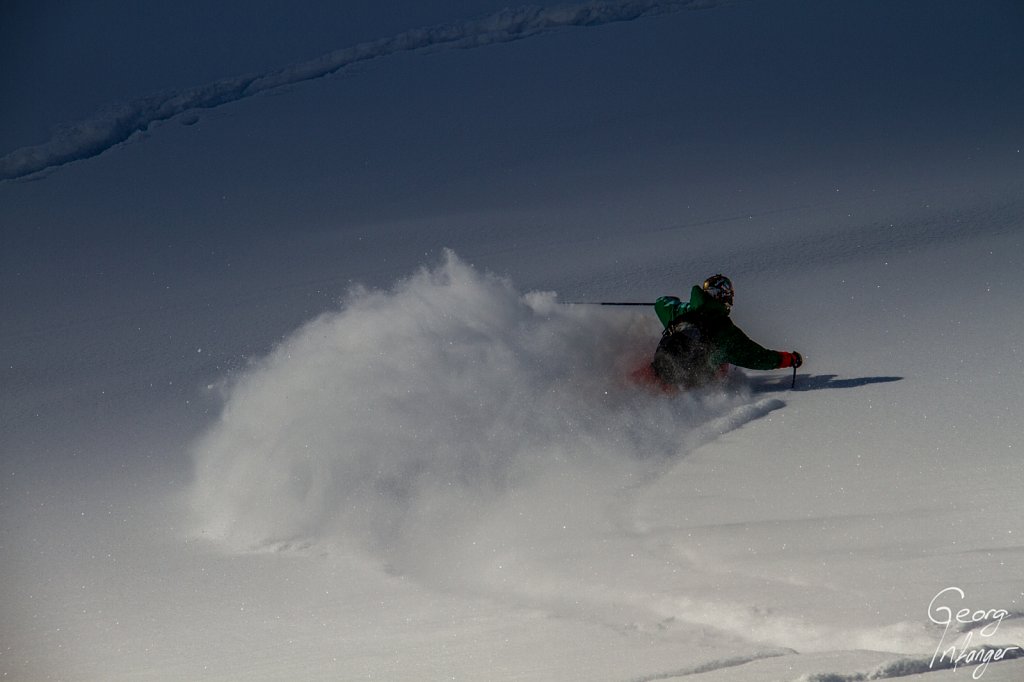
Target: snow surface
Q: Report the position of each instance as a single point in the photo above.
(118, 123)
(306, 387)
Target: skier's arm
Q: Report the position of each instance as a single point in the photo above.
(669, 308)
(738, 349)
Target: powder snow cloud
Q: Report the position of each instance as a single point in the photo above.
(408, 413)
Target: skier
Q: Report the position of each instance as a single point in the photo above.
(700, 341)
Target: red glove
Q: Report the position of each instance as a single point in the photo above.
(793, 359)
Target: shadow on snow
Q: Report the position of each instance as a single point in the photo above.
(815, 382)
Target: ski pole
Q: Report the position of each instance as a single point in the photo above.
(793, 385)
(603, 303)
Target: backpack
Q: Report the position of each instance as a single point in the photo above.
(684, 352)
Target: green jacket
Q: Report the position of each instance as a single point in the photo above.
(728, 343)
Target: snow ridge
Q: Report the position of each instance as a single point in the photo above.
(904, 667)
(712, 666)
(117, 123)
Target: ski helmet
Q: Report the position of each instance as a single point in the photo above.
(719, 287)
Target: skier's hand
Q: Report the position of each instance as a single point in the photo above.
(791, 359)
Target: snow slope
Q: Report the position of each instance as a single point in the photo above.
(117, 124)
(293, 390)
